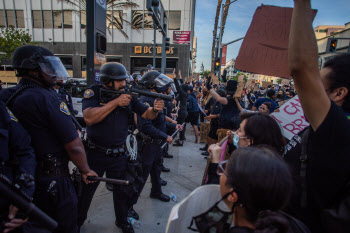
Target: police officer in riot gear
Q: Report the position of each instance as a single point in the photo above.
(107, 131)
(54, 138)
(153, 134)
(17, 164)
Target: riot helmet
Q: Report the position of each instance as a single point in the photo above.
(157, 81)
(136, 77)
(32, 57)
(112, 71)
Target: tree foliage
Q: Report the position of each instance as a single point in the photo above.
(205, 73)
(11, 39)
(279, 81)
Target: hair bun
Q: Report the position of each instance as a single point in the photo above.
(271, 222)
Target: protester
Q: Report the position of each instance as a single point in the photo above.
(193, 112)
(269, 98)
(265, 107)
(319, 156)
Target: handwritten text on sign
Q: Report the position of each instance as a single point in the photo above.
(291, 118)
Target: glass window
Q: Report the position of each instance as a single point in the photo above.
(37, 19)
(83, 19)
(117, 19)
(67, 61)
(2, 19)
(57, 19)
(47, 19)
(83, 63)
(20, 19)
(10, 16)
(174, 20)
(138, 22)
(114, 59)
(67, 19)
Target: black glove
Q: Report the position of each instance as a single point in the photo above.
(208, 85)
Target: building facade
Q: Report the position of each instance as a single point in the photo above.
(61, 27)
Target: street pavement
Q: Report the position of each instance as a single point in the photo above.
(186, 173)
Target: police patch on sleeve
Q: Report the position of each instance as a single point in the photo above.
(12, 117)
(64, 108)
(147, 104)
(88, 93)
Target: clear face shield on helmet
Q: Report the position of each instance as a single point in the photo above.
(53, 67)
(163, 82)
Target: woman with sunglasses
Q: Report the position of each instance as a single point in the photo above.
(256, 129)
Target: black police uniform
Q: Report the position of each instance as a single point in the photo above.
(67, 98)
(150, 153)
(47, 120)
(16, 155)
(106, 152)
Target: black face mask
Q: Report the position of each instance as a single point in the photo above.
(213, 220)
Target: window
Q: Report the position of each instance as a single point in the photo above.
(117, 19)
(83, 19)
(47, 19)
(114, 59)
(57, 19)
(20, 19)
(36, 19)
(2, 19)
(10, 16)
(83, 63)
(140, 19)
(67, 61)
(174, 20)
(67, 19)
(322, 30)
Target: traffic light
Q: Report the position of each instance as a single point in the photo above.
(332, 45)
(167, 44)
(217, 64)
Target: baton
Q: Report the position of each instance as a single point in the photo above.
(108, 180)
(173, 135)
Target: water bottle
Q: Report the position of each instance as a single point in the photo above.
(173, 197)
(134, 222)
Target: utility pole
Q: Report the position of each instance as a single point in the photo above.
(219, 46)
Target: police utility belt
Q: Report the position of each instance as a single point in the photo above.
(115, 152)
(148, 139)
(52, 165)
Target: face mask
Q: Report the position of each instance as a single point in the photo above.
(235, 140)
(214, 220)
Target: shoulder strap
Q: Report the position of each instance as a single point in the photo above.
(303, 166)
(17, 92)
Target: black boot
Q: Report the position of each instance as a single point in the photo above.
(126, 227)
(132, 214)
(206, 153)
(205, 148)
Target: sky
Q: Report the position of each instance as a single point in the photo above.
(330, 12)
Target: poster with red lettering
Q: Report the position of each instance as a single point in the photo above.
(265, 46)
(291, 118)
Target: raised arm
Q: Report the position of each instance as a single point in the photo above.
(303, 65)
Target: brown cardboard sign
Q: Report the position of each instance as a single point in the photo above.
(214, 79)
(205, 128)
(239, 91)
(265, 46)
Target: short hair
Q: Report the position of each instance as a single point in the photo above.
(270, 93)
(340, 76)
(268, 105)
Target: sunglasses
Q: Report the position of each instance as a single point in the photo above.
(263, 108)
(222, 168)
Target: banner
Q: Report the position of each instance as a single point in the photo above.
(265, 46)
(182, 37)
(291, 118)
(223, 59)
(285, 82)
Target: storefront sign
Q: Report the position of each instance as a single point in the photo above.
(149, 50)
(223, 59)
(291, 118)
(182, 37)
(99, 59)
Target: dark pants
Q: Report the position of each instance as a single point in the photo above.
(181, 119)
(151, 157)
(62, 208)
(114, 168)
